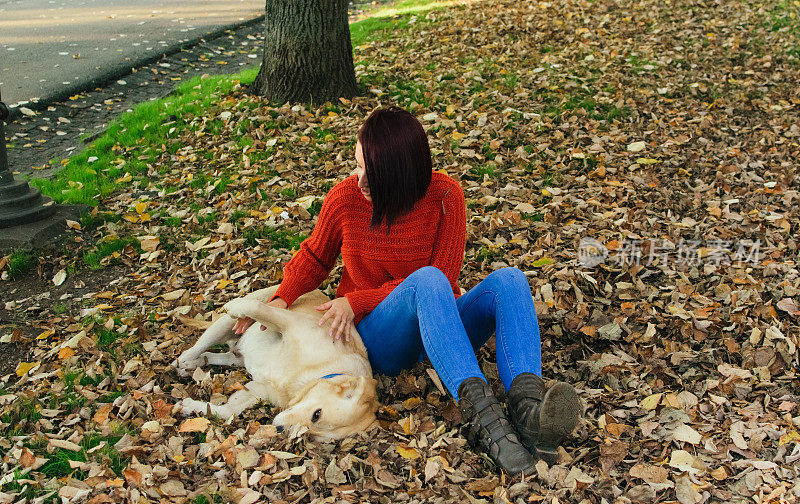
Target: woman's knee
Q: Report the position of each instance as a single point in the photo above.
(430, 277)
(510, 278)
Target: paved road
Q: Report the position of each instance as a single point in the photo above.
(51, 48)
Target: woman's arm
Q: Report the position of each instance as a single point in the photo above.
(316, 257)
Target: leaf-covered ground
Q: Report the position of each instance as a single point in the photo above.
(666, 131)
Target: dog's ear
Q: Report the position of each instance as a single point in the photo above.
(349, 386)
(360, 388)
(356, 389)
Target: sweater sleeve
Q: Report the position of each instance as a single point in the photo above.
(447, 255)
(316, 257)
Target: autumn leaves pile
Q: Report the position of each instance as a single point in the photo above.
(635, 124)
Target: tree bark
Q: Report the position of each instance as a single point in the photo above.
(307, 52)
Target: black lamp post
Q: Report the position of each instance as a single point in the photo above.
(19, 202)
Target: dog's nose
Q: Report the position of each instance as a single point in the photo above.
(279, 428)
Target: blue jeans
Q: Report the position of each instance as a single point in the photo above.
(423, 314)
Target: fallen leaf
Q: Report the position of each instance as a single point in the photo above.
(651, 402)
(66, 445)
(407, 453)
(486, 484)
(46, 334)
(24, 367)
(649, 473)
(682, 460)
(789, 306)
(685, 433)
(59, 277)
(636, 146)
(101, 415)
(173, 488)
(686, 491)
(195, 424)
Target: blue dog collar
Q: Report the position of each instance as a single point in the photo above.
(330, 376)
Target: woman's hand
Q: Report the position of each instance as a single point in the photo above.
(342, 314)
(244, 323)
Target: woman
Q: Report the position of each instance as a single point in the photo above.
(401, 230)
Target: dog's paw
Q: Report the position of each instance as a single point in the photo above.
(183, 373)
(187, 362)
(240, 308)
(190, 406)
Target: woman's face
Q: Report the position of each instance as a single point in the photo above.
(361, 173)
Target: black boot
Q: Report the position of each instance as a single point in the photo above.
(490, 429)
(542, 417)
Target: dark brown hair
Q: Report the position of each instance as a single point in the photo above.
(397, 162)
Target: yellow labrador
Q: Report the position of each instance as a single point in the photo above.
(322, 383)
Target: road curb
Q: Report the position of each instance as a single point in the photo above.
(127, 68)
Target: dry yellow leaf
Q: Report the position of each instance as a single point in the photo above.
(407, 424)
(46, 334)
(412, 402)
(24, 367)
(407, 453)
(651, 402)
(791, 437)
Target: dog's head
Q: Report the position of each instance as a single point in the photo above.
(332, 408)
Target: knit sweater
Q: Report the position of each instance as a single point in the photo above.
(433, 233)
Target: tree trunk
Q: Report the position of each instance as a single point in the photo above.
(307, 52)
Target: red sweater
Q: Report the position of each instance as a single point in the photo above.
(432, 234)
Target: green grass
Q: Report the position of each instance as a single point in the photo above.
(108, 455)
(487, 254)
(86, 182)
(533, 217)
(109, 247)
(94, 219)
(20, 263)
(785, 15)
(640, 65)
(22, 413)
(479, 171)
(396, 16)
(208, 499)
(27, 492)
(57, 465)
(277, 238)
(289, 193)
(106, 339)
(556, 104)
(550, 178)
